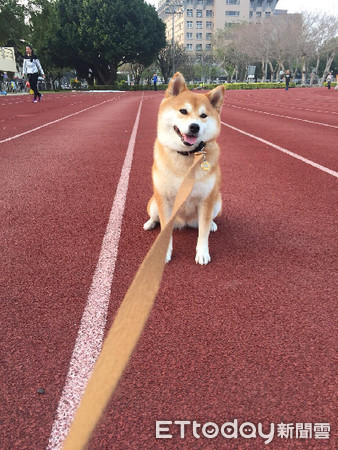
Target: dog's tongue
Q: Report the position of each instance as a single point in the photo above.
(189, 139)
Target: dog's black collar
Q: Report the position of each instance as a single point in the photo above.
(199, 148)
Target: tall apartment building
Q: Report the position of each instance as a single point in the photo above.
(193, 22)
(261, 9)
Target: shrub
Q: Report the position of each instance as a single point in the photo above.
(233, 86)
(103, 87)
(75, 84)
(123, 86)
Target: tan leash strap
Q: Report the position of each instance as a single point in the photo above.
(126, 329)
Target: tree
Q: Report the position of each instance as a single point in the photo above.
(325, 42)
(230, 50)
(314, 41)
(279, 36)
(12, 23)
(222, 48)
(100, 36)
(292, 40)
(165, 59)
(44, 25)
(331, 49)
(136, 70)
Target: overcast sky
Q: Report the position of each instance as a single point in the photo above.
(327, 6)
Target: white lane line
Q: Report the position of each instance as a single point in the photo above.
(90, 336)
(284, 150)
(283, 105)
(281, 115)
(54, 121)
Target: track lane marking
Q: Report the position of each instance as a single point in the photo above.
(91, 331)
(284, 150)
(54, 121)
(281, 115)
(284, 105)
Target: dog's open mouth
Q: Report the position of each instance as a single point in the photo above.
(187, 139)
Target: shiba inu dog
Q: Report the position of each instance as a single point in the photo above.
(187, 123)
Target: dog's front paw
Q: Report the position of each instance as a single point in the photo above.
(168, 256)
(213, 226)
(150, 224)
(202, 256)
(169, 251)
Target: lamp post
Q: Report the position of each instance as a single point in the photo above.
(173, 7)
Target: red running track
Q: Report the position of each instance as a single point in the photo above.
(249, 337)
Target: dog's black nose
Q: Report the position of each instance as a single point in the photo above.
(194, 128)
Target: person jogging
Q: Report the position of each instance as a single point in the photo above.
(32, 67)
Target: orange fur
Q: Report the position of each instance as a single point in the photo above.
(184, 120)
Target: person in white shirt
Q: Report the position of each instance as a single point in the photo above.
(329, 80)
(32, 67)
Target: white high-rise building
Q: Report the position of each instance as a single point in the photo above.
(193, 22)
(261, 9)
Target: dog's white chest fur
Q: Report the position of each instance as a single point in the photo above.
(168, 182)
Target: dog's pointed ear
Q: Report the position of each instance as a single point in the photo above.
(176, 85)
(216, 97)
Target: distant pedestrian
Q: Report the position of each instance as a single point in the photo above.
(2, 85)
(329, 80)
(287, 79)
(32, 67)
(155, 81)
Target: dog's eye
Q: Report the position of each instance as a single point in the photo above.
(203, 116)
(183, 111)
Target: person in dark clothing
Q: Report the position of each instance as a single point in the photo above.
(32, 67)
(287, 79)
(155, 81)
